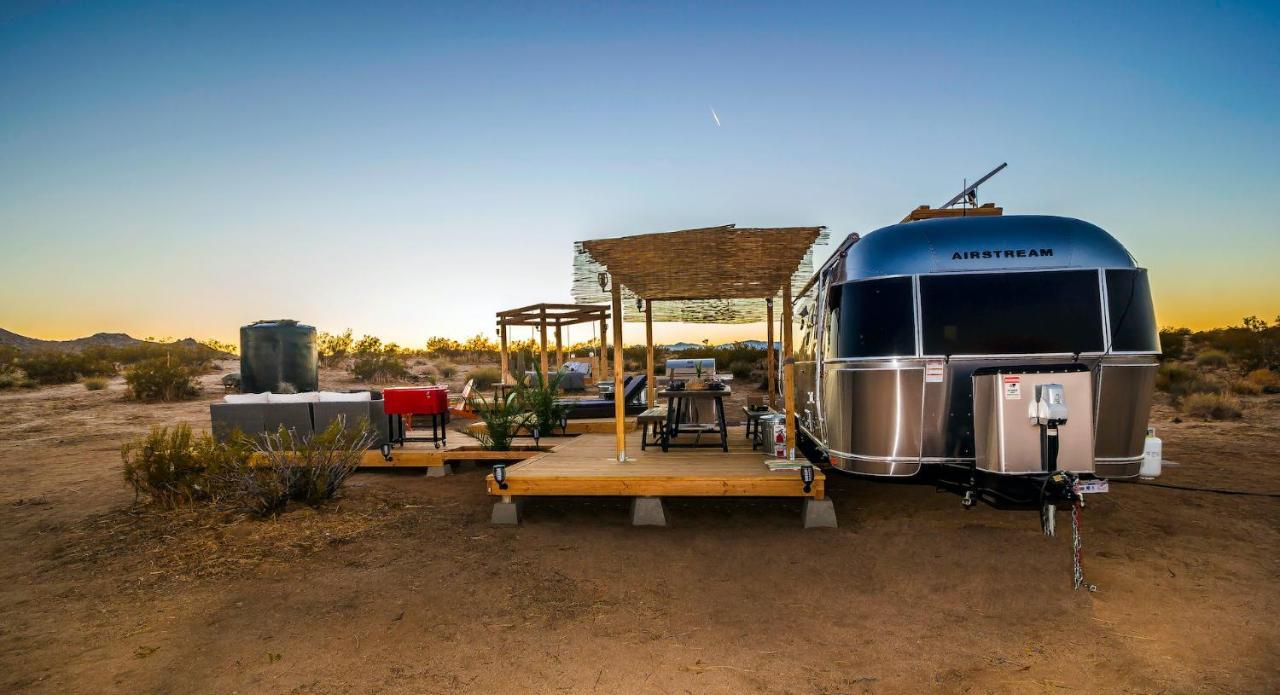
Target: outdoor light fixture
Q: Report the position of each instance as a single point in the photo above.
(639, 304)
(386, 452)
(536, 435)
(500, 475)
(604, 281)
(806, 474)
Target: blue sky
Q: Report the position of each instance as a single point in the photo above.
(406, 170)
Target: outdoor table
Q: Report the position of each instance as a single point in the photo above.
(677, 403)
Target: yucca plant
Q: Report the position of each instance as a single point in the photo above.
(502, 419)
(538, 397)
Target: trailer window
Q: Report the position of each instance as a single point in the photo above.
(1011, 313)
(872, 318)
(1133, 319)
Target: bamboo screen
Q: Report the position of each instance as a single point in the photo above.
(709, 275)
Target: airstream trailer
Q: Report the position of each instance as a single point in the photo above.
(958, 350)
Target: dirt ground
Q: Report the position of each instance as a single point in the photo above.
(403, 587)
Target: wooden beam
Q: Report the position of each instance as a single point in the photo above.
(504, 356)
(559, 348)
(604, 351)
(619, 403)
(542, 328)
(788, 372)
(651, 385)
(771, 358)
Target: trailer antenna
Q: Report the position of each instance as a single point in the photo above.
(970, 193)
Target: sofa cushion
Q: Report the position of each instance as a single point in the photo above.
(308, 397)
(246, 397)
(335, 397)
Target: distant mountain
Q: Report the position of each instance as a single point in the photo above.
(680, 347)
(25, 344)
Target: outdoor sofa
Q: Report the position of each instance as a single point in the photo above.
(258, 414)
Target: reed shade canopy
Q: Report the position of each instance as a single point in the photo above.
(706, 275)
(746, 266)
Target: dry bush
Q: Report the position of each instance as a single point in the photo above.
(162, 379)
(446, 370)
(741, 370)
(1212, 406)
(1244, 387)
(171, 466)
(1266, 380)
(1211, 359)
(50, 367)
(95, 383)
(16, 379)
(310, 468)
(484, 377)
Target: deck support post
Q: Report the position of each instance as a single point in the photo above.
(559, 348)
(651, 385)
(503, 355)
(507, 511)
(619, 403)
(819, 513)
(788, 372)
(648, 511)
(542, 330)
(439, 471)
(771, 357)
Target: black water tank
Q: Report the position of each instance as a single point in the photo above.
(278, 356)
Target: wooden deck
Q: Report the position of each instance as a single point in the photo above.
(590, 425)
(460, 447)
(586, 466)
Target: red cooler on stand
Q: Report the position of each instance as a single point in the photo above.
(427, 401)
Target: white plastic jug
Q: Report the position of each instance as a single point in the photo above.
(1152, 452)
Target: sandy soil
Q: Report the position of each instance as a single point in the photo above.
(403, 587)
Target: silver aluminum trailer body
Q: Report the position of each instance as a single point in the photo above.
(891, 330)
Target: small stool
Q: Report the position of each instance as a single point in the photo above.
(655, 416)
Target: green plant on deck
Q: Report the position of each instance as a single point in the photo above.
(502, 419)
(538, 396)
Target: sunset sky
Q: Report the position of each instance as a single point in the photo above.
(404, 170)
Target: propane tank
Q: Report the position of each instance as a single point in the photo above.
(1151, 454)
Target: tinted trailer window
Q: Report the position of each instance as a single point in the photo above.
(871, 318)
(1011, 313)
(1133, 318)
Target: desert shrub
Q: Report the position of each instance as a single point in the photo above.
(165, 467)
(334, 348)
(63, 366)
(378, 367)
(1211, 358)
(484, 377)
(1252, 345)
(1265, 379)
(15, 379)
(446, 370)
(1244, 387)
(537, 396)
(502, 419)
(1212, 406)
(1173, 342)
(1179, 381)
(1170, 374)
(95, 383)
(741, 370)
(162, 379)
(8, 357)
(310, 468)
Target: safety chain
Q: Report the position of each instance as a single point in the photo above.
(1077, 548)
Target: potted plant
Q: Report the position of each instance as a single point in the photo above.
(697, 384)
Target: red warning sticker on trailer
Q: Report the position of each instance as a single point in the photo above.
(1012, 387)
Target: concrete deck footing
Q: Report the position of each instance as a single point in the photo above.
(819, 514)
(439, 471)
(648, 511)
(507, 513)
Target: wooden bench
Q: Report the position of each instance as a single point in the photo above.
(656, 416)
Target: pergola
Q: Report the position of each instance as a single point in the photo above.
(558, 316)
(725, 262)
